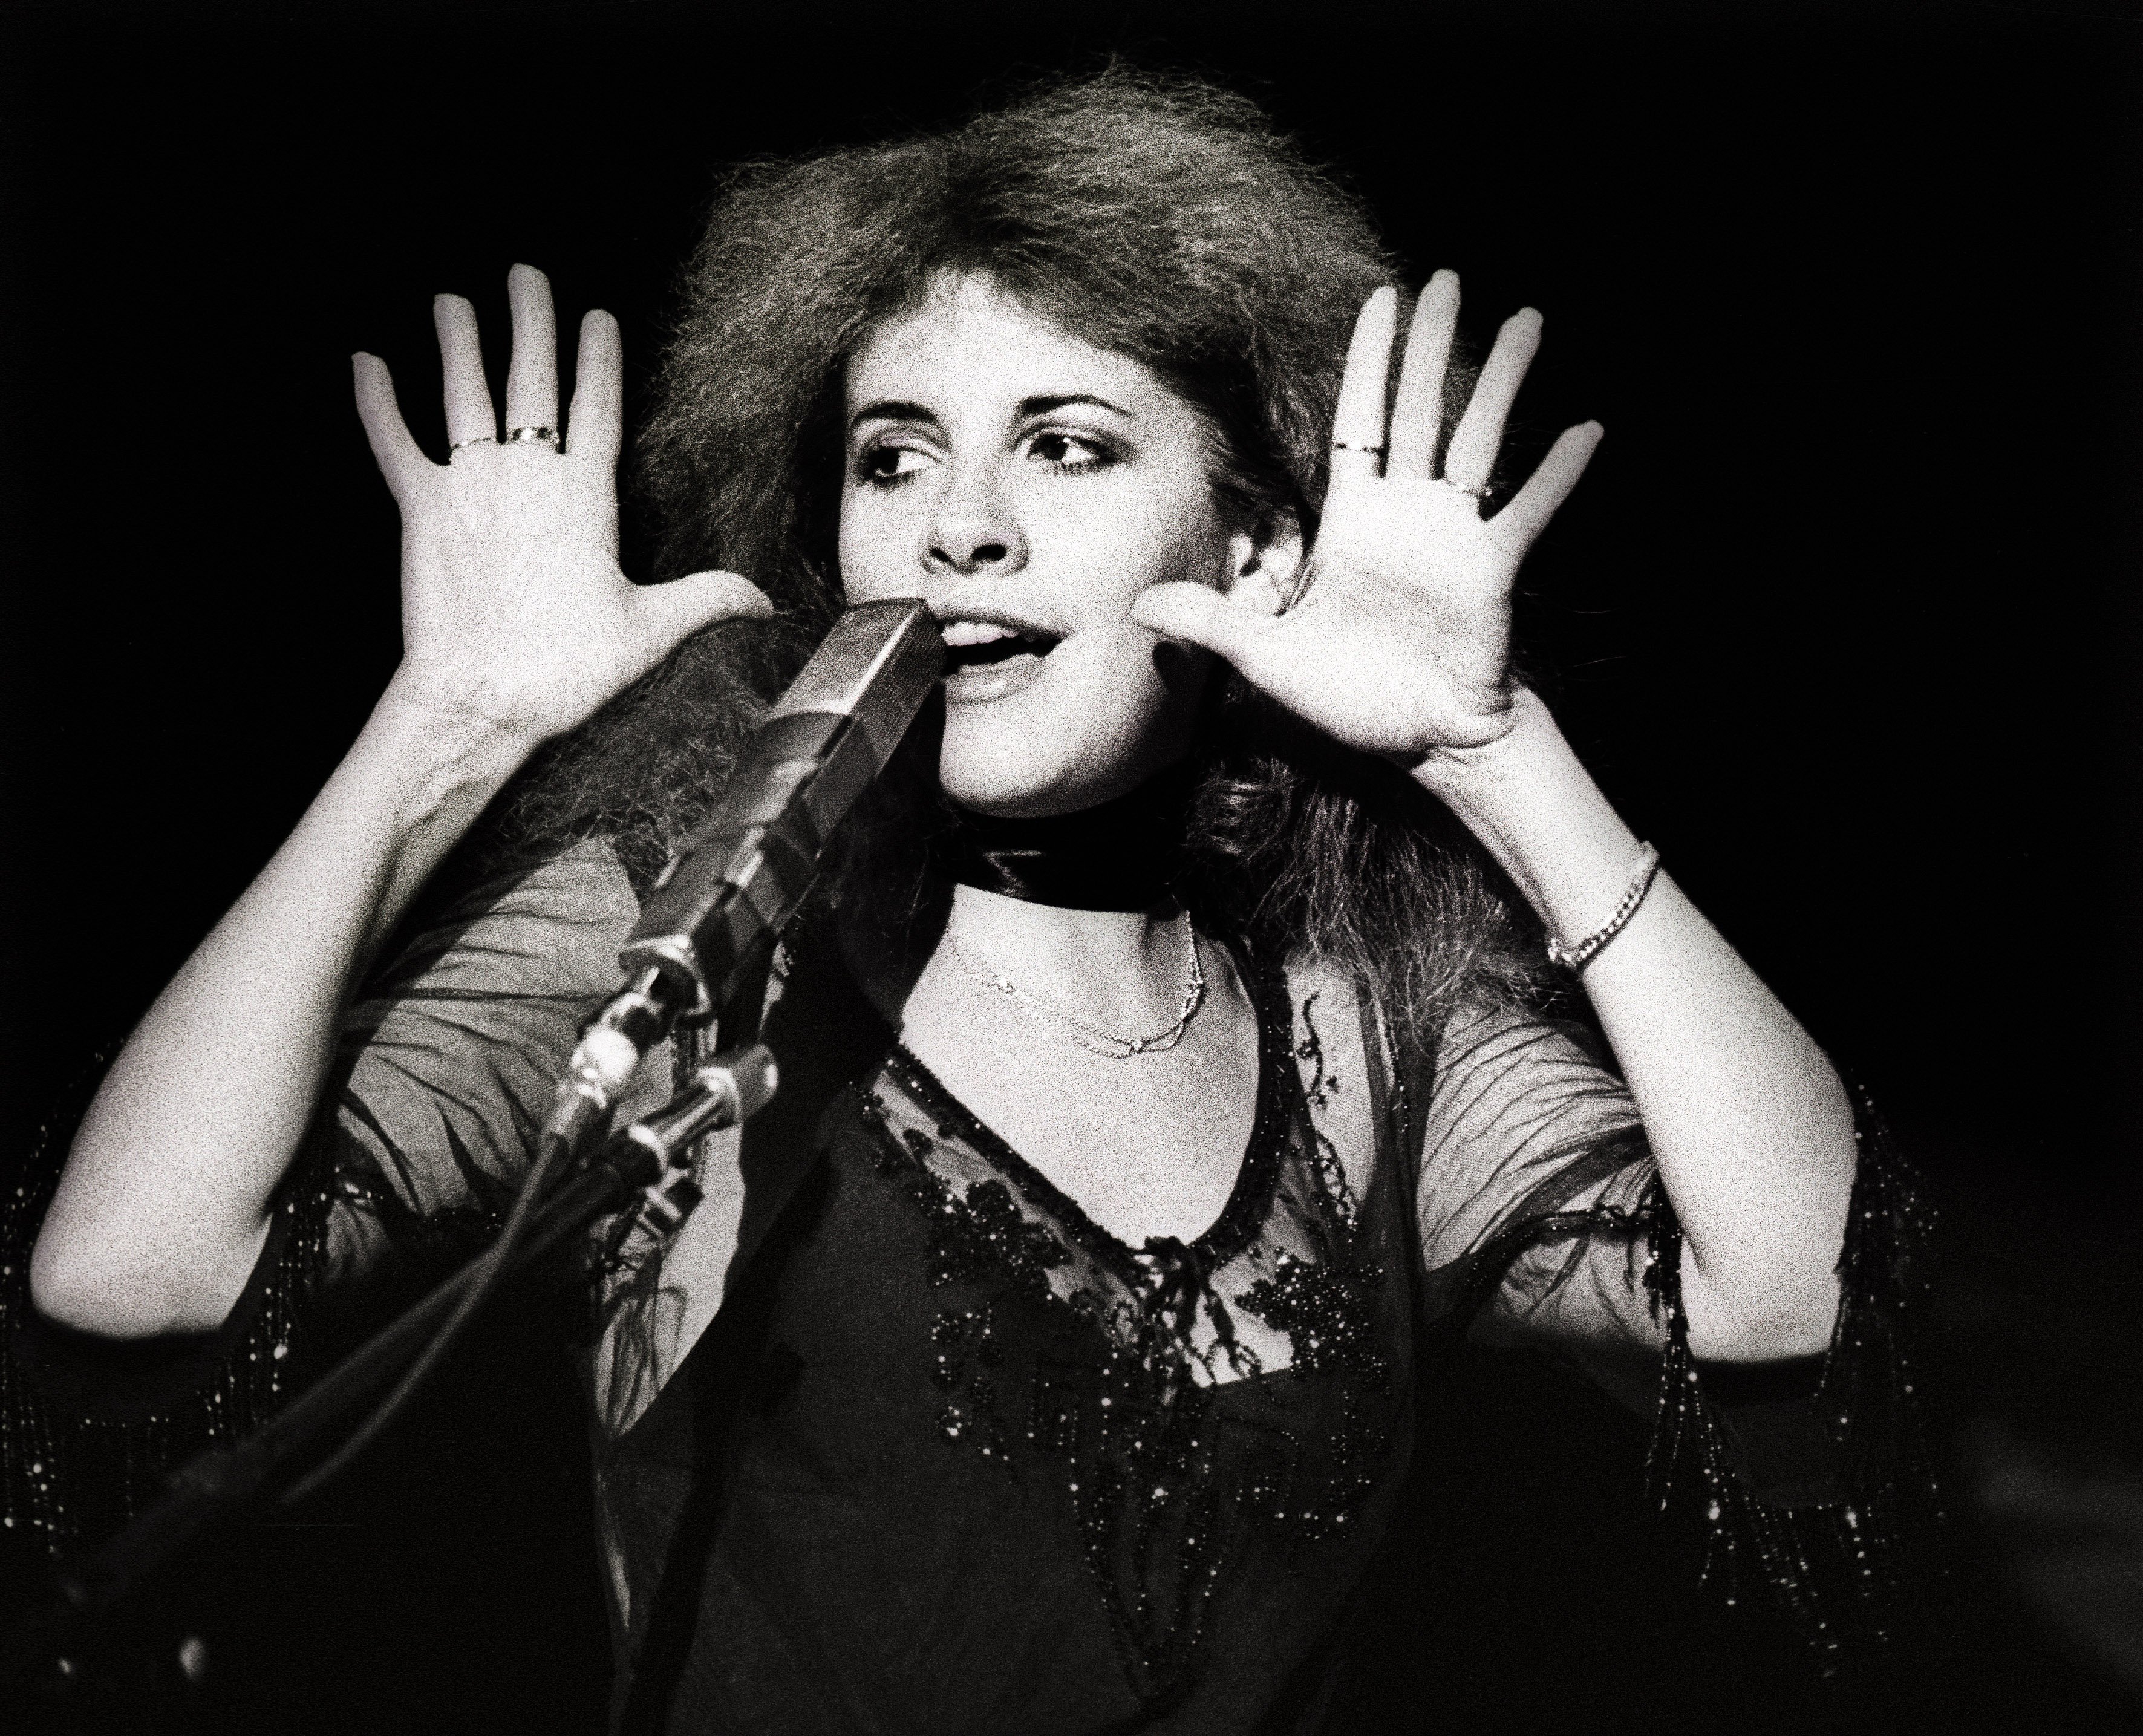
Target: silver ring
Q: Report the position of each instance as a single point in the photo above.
(1375, 452)
(1480, 493)
(549, 436)
(454, 446)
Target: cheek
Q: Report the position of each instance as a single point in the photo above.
(871, 549)
(1122, 686)
(1120, 548)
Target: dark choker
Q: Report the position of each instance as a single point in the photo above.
(1120, 856)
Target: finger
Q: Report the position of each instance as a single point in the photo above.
(1417, 407)
(1198, 615)
(596, 428)
(1357, 422)
(1472, 458)
(401, 460)
(470, 415)
(532, 377)
(1527, 515)
(699, 599)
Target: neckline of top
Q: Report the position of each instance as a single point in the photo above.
(1256, 1177)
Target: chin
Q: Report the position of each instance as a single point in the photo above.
(1008, 779)
(997, 769)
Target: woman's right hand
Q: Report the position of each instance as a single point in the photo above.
(516, 623)
(515, 614)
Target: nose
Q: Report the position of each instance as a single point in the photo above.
(973, 530)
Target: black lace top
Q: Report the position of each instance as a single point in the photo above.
(996, 1470)
(950, 1456)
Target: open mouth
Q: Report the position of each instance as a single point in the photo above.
(983, 644)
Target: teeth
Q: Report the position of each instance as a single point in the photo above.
(976, 632)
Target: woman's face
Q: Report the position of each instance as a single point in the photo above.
(1027, 486)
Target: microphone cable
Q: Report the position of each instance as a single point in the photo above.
(484, 1279)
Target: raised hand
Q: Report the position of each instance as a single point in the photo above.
(514, 610)
(1399, 643)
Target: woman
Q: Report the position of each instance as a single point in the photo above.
(1168, 1044)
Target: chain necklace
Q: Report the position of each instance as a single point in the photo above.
(1092, 1038)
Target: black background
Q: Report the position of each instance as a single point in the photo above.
(1843, 617)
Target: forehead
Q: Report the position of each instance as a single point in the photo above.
(970, 339)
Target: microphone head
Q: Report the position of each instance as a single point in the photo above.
(714, 915)
(876, 664)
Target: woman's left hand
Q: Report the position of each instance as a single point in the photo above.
(1399, 645)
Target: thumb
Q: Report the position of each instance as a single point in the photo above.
(682, 606)
(1200, 616)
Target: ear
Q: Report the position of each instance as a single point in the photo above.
(1264, 566)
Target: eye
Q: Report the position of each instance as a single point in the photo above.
(1069, 454)
(886, 465)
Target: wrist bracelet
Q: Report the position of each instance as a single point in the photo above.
(1585, 951)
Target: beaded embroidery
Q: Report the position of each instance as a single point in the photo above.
(66, 1479)
(1841, 1568)
(1168, 1434)
(1318, 1091)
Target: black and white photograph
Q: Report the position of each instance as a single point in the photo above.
(1218, 870)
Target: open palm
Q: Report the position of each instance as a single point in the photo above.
(514, 610)
(1399, 644)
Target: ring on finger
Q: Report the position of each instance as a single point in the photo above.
(1480, 493)
(455, 446)
(1360, 446)
(547, 436)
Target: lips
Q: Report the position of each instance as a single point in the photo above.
(997, 650)
(988, 659)
(985, 644)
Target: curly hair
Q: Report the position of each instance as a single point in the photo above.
(1163, 220)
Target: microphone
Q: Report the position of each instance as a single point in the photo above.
(714, 916)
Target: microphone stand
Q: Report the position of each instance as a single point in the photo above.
(220, 1484)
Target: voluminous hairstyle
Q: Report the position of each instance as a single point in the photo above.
(1165, 221)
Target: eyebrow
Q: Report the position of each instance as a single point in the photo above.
(890, 409)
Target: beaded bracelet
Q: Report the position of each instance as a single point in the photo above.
(1585, 951)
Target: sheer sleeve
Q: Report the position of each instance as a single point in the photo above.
(448, 1059)
(1542, 1223)
(1532, 1196)
(443, 1075)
